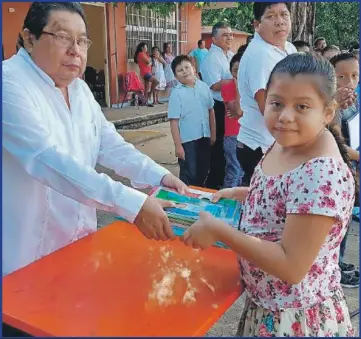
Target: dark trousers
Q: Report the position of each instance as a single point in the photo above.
(194, 169)
(248, 159)
(218, 162)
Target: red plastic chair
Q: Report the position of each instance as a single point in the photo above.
(131, 83)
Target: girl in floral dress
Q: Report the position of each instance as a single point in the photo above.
(296, 211)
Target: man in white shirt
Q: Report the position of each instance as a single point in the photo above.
(267, 48)
(54, 133)
(215, 73)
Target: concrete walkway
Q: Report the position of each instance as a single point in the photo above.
(121, 114)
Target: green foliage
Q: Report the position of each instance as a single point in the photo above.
(239, 17)
(338, 22)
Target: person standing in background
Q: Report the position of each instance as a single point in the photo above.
(268, 47)
(215, 73)
(198, 55)
(168, 57)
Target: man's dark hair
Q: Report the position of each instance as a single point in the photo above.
(317, 40)
(260, 7)
(38, 15)
(218, 26)
(200, 42)
(178, 60)
(300, 43)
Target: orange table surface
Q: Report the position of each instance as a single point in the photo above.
(105, 284)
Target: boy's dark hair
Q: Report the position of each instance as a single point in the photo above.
(37, 17)
(218, 26)
(178, 60)
(200, 42)
(342, 57)
(300, 44)
(242, 48)
(316, 65)
(259, 8)
(236, 58)
(317, 40)
(329, 48)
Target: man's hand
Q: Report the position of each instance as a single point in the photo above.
(152, 221)
(345, 97)
(171, 181)
(179, 152)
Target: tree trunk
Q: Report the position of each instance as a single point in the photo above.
(303, 16)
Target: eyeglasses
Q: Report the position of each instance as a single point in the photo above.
(64, 40)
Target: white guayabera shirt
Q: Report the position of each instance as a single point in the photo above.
(50, 187)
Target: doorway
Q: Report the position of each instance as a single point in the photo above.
(97, 71)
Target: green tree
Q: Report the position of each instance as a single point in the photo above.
(338, 22)
(239, 18)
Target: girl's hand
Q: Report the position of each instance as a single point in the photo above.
(202, 233)
(226, 193)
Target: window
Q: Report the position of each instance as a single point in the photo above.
(146, 26)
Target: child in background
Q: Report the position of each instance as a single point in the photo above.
(145, 67)
(229, 92)
(296, 211)
(158, 64)
(347, 72)
(192, 122)
(330, 51)
(168, 57)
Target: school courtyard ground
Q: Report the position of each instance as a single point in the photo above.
(146, 129)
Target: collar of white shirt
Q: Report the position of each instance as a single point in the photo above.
(258, 38)
(217, 49)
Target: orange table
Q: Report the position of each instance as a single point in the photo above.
(106, 284)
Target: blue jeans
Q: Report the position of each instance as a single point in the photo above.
(234, 171)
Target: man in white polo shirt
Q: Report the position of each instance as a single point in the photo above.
(215, 73)
(267, 48)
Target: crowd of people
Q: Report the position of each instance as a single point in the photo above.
(270, 126)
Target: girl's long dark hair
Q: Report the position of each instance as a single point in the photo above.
(154, 48)
(138, 50)
(164, 48)
(314, 64)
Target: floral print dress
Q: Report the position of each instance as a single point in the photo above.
(316, 306)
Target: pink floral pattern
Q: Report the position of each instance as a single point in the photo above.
(322, 186)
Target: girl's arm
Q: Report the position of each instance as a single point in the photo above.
(288, 260)
(353, 154)
(145, 59)
(235, 193)
(161, 60)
